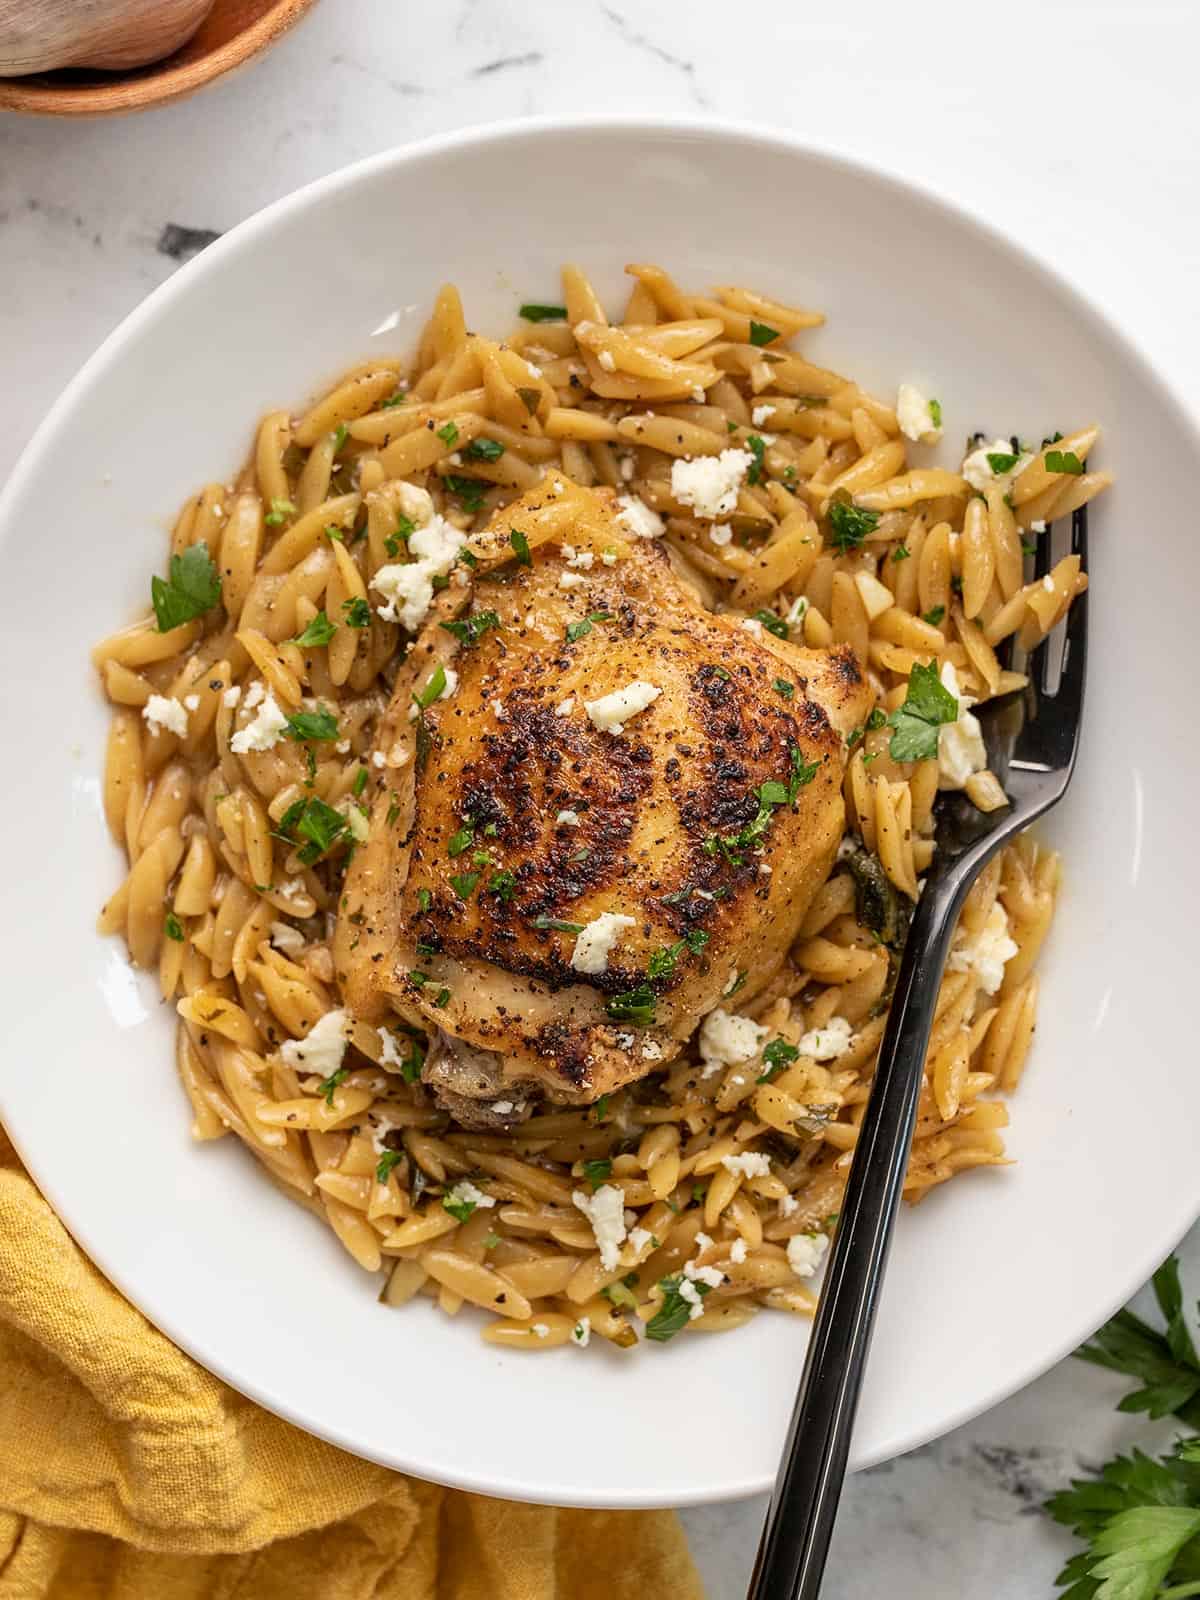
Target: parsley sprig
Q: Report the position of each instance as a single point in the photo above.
(927, 705)
(1140, 1517)
(192, 588)
(770, 795)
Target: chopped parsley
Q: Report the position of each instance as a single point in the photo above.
(433, 688)
(663, 962)
(469, 490)
(533, 311)
(424, 899)
(393, 812)
(1001, 461)
(520, 546)
(761, 334)
(934, 615)
(441, 997)
(577, 630)
(901, 553)
(558, 924)
(597, 1172)
(462, 840)
(783, 687)
(193, 587)
(877, 719)
(675, 1312)
(329, 1084)
(1063, 461)
(771, 622)
(935, 413)
(319, 631)
(448, 433)
(405, 528)
(358, 612)
(340, 434)
(927, 705)
(457, 1204)
(464, 883)
(173, 928)
(769, 795)
(850, 524)
(756, 448)
(503, 885)
(318, 725)
(483, 450)
(280, 511)
(388, 1160)
(314, 821)
(635, 1005)
(778, 1054)
(471, 629)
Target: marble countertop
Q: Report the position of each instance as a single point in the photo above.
(1069, 125)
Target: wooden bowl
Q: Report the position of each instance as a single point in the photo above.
(233, 32)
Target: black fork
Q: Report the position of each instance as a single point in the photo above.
(1032, 737)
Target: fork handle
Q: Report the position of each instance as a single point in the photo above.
(799, 1526)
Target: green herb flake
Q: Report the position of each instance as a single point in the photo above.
(675, 1312)
(635, 1005)
(192, 588)
(934, 615)
(340, 434)
(503, 885)
(601, 1107)
(557, 924)
(462, 840)
(784, 688)
(597, 1172)
(534, 311)
(434, 686)
(520, 546)
(483, 450)
(1063, 461)
(464, 884)
(388, 1160)
(393, 811)
(358, 612)
(173, 928)
(757, 449)
(316, 725)
(471, 629)
(778, 1054)
(280, 511)
(424, 899)
(327, 1085)
(1001, 461)
(315, 822)
(319, 631)
(772, 623)
(850, 524)
(578, 630)
(761, 334)
(901, 553)
(935, 413)
(448, 433)
(927, 706)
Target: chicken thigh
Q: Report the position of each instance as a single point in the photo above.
(615, 813)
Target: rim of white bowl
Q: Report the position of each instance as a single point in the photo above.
(749, 133)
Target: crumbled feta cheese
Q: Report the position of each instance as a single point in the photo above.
(567, 819)
(581, 559)
(737, 1252)
(389, 1055)
(805, 1252)
(750, 1164)
(255, 694)
(978, 470)
(191, 702)
(627, 468)
(827, 1043)
(703, 1241)
(164, 711)
(466, 1193)
(636, 517)
(726, 1040)
(263, 731)
(383, 1126)
(594, 943)
(915, 416)
(322, 1048)
(752, 626)
(709, 484)
(582, 1332)
(607, 360)
(407, 587)
(761, 414)
(695, 1300)
(609, 557)
(605, 1210)
(415, 503)
(286, 938)
(378, 759)
(651, 1050)
(542, 1329)
(503, 1108)
(571, 580)
(1038, 527)
(961, 750)
(639, 1239)
(232, 695)
(565, 707)
(612, 711)
(987, 953)
(712, 1276)
(720, 533)
(788, 1205)
(875, 596)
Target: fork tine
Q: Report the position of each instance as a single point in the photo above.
(1070, 687)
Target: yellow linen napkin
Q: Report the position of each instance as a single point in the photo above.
(127, 1472)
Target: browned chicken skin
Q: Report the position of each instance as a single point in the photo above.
(518, 813)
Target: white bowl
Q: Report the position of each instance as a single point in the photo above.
(997, 1275)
